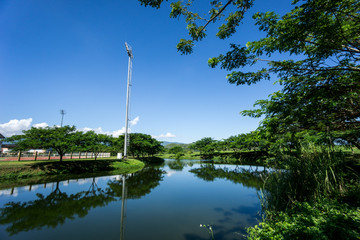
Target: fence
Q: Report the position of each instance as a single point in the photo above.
(50, 156)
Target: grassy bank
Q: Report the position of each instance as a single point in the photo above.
(16, 172)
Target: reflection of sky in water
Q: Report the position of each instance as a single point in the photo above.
(172, 210)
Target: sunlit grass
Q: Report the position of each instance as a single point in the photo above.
(23, 169)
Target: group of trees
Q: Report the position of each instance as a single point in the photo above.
(207, 146)
(67, 139)
(318, 64)
(262, 140)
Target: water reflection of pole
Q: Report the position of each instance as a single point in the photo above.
(123, 199)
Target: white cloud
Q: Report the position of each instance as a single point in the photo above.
(8, 192)
(170, 173)
(115, 133)
(99, 130)
(135, 121)
(15, 126)
(119, 132)
(167, 135)
(41, 125)
(84, 181)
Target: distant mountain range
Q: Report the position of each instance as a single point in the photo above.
(167, 143)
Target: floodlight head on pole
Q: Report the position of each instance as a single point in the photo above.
(129, 50)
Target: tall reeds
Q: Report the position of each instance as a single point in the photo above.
(315, 173)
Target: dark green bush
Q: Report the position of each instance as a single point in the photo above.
(324, 219)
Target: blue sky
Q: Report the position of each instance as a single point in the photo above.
(71, 55)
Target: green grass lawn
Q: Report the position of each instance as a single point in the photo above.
(23, 169)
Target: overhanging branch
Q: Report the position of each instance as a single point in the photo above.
(202, 29)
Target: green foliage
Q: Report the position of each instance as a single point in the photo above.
(25, 169)
(249, 178)
(324, 219)
(320, 73)
(60, 139)
(176, 165)
(67, 139)
(311, 176)
(176, 149)
(319, 104)
(144, 145)
(94, 142)
(246, 141)
(116, 144)
(206, 146)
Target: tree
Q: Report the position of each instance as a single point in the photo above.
(60, 139)
(247, 141)
(116, 144)
(206, 146)
(96, 143)
(176, 149)
(143, 144)
(320, 78)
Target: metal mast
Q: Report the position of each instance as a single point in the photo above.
(126, 142)
(62, 112)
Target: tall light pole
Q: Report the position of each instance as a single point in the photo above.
(62, 112)
(126, 142)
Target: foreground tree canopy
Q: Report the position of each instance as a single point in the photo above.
(320, 73)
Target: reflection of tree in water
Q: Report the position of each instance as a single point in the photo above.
(177, 165)
(55, 208)
(247, 177)
(138, 184)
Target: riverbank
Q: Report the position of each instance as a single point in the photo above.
(25, 169)
(243, 158)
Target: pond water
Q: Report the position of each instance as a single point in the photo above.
(169, 201)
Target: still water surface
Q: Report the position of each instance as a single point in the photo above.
(162, 202)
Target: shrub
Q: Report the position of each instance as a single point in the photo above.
(324, 219)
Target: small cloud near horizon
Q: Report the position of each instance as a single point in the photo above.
(115, 133)
(99, 130)
(41, 125)
(167, 135)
